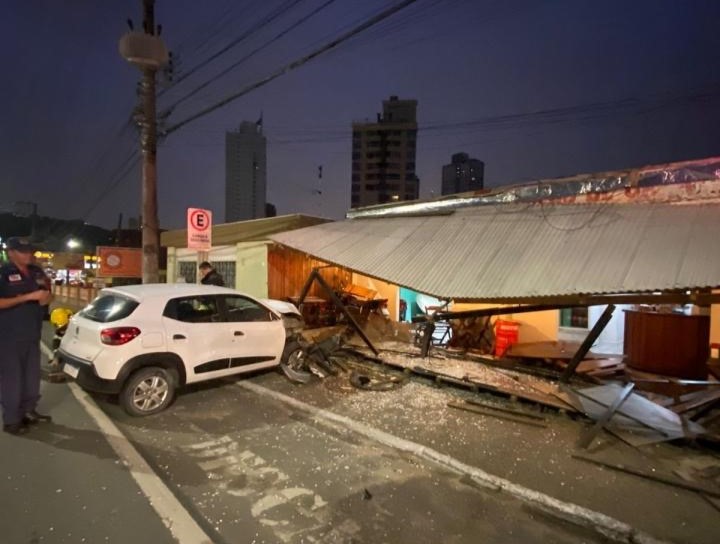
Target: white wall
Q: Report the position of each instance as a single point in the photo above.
(611, 339)
(251, 268)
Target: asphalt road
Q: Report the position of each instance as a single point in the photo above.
(250, 463)
(255, 470)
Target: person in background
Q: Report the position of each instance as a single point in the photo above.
(210, 276)
(23, 297)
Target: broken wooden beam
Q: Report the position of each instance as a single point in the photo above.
(315, 275)
(502, 409)
(696, 400)
(500, 415)
(588, 342)
(668, 480)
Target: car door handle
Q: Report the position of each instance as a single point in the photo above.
(179, 337)
(239, 333)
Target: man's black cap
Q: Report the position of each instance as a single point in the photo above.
(20, 244)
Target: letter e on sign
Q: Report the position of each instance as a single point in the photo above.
(199, 229)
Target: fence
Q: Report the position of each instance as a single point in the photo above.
(74, 295)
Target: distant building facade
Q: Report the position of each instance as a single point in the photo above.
(245, 172)
(383, 156)
(462, 174)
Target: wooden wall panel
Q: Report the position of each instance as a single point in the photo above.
(288, 270)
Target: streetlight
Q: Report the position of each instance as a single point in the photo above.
(72, 243)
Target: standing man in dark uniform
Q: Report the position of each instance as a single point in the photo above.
(23, 294)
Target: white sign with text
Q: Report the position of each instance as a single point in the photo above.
(199, 229)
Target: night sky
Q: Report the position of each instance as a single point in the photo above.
(536, 89)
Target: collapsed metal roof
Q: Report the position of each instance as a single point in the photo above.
(503, 253)
(637, 183)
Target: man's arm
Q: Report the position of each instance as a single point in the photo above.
(38, 296)
(46, 298)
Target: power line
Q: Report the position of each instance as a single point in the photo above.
(566, 114)
(110, 148)
(592, 110)
(234, 65)
(263, 23)
(295, 64)
(90, 173)
(121, 173)
(392, 29)
(211, 30)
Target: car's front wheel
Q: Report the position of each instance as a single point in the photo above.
(293, 363)
(148, 391)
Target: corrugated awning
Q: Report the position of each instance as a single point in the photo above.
(505, 253)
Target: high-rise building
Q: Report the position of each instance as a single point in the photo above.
(462, 174)
(383, 156)
(245, 172)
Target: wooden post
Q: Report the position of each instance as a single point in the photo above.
(589, 341)
(315, 275)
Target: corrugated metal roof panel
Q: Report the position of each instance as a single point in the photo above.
(515, 251)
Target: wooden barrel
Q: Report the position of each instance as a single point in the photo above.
(666, 343)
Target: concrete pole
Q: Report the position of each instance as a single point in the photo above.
(150, 231)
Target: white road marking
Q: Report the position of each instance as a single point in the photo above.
(277, 498)
(220, 462)
(268, 488)
(610, 527)
(211, 443)
(175, 517)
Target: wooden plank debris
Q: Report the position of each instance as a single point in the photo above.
(695, 400)
(655, 476)
(560, 350)
(600, 367)
(492, 413)
(521, 413)
(473, 375)
(514, 386)
(643, 419)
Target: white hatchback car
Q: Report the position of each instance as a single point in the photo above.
(144, 341)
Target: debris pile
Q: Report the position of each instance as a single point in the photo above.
(454, 348)
(618, 400)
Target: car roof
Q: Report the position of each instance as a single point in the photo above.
(168, 290)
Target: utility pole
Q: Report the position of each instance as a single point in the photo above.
(147, 51)
(148, 141)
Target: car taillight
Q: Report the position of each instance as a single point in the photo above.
(118, 336)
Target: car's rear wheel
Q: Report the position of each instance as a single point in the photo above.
(148, 391)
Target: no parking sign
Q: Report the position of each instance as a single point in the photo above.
(199, 229)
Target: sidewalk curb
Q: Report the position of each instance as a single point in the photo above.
(607, 526)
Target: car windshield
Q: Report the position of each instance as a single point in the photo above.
(109, 307)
